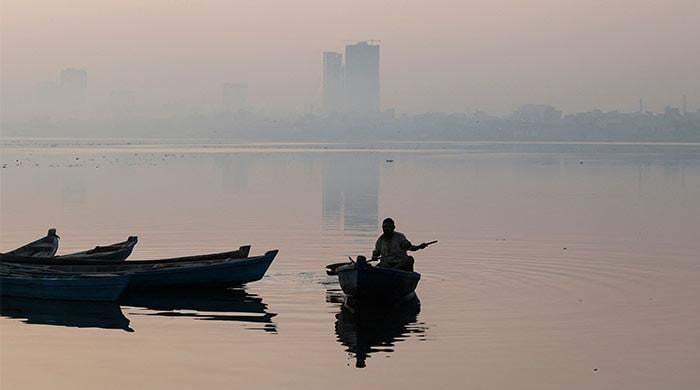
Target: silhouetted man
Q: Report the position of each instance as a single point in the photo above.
(391, 248)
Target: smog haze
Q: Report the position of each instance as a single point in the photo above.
(447, 56)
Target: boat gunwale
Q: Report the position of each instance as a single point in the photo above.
(243, 250)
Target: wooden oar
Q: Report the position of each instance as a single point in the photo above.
(429, 243)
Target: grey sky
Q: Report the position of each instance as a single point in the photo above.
(439, 55)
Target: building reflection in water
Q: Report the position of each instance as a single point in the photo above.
(215, 305)
(77, 314)
(210, 305)
(351, 192)
(234, 171)
(370, 329)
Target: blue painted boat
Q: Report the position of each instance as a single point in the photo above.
(363, 282)
(95, 287)
(202, 271)
(208, 274)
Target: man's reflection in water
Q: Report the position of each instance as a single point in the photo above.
(367, 329)
(77, 314)
(212, 305)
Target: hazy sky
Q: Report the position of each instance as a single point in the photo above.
(439, 55)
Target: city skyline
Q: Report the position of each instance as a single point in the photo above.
(446, 56)
(70, 97)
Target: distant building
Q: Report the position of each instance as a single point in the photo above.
(235, 97)
(73, 79)
(536, 113)
(672, 112)
(333, 82)
(362, 90)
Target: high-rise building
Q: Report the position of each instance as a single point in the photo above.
(235, 97)
(73, 79)
(362, 89)
(333, 82)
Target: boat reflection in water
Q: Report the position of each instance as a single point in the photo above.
(210, 305)
(78, 314)
(366, 329)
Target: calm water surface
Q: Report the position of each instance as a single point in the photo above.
(559, 266)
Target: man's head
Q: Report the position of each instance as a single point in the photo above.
(388, 226)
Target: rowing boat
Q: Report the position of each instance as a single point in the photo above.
(102, 265)
(199, 271)
(363, 282)
(114, 252)
(47, 246)
(94, 287)
(43, 247)
(205, 274)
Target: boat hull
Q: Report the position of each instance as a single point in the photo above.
(103, 288)
(201, 272)
(233, 272)
(114, 266)
(43, 247)
(363, 282)
(115, 252)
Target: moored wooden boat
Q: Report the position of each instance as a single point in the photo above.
(43, 247)
(94, 287)
(205, 274)
(114, 252)
(363, 282)
(133, 265)
(201, 272)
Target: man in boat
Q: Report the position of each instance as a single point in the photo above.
(391, 248)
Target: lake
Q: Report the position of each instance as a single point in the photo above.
(559, 265)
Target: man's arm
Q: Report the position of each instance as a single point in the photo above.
(376, 252)
(413, 248)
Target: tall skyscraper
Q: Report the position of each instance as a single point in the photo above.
(333, 82)
(235, 97)
(362, 77)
